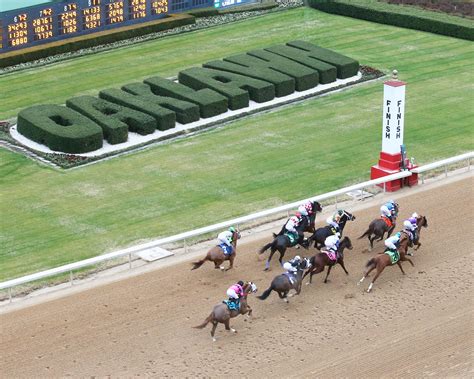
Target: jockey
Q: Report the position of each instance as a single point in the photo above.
(306, 209)
(292, 224)
(331, 243)
(389, 209)
(413, 219)
(333, 222)
(235, 292)
(291, 266)
(226, 237)
(410, 228)
(393, 242)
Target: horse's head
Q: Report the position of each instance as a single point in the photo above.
(316, 207)
(346, 216)
(235, 233)
(250, 287)
(421, 221)
(345, 243)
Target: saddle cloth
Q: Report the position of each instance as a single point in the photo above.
(331, 254)
(387, 221)
(291, 277)
(226, 249)
(232, 305)
(292, 237)
(394, 255)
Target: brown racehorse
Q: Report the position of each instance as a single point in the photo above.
(222, 314)
(216, 255)
(320, 260)
(382, 260)
(421, 222)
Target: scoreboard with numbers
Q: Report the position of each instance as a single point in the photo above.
(55, 21)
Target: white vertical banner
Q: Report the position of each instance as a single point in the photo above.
(393, 116)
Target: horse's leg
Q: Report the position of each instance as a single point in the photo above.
(249, 311)
(403, 258)
(213, 330)
(371, 241)
(282, 254)
(227, 326)
(327, 274)
(380, 268)
(341, 262)
(401, 268)
(267, 264)
(316, 270)
(367, 271)
(231, 262)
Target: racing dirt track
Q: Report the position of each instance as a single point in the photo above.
(418, 325)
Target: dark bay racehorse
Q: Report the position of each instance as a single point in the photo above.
(309, 226)
(379, 227)
(382, 260)
(280, 244)
(320, 260)
(320, 235)
(216, 255)
(222, 314)
(282, 284)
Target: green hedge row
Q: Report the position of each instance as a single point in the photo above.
(207, 91)
(95, 39)
(60, 128)
(344, 8)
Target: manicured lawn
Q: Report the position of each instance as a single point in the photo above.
(50, 218)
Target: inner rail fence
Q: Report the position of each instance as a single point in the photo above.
(182, 237)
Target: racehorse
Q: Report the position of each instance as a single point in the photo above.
(222, 314)
(217, 255)
(282, 284)
(309, 226)
(421, 222)
(320, 234)
(378, 228)
(382, 260)
(320, 260)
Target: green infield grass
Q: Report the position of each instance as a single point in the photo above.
(51, 217)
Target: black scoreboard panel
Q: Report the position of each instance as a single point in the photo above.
(49, 22)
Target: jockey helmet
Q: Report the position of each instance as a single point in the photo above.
(297, 258)
(240, 283)
(232, 229)
(412, 220)
(309, 206)
(298, 214)
(415, 215)
(392, 201)
(407, 224)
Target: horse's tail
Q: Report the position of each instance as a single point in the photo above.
(198, 263)
(266, 247)
(371, 262)
(266, 293)
(367, 233)
(206, 321)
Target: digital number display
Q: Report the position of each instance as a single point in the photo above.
(136, 9)
(43, 26)
(115, 12)
(159, 6)
(92, 17)
(18, 31)
(67, 21)
(58, 20)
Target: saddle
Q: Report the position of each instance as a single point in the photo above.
(232, 305)
(228, 250)
(387, 221)
(393, 254)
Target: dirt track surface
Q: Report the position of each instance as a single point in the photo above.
(418, 325)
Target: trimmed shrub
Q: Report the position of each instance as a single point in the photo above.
(305, 77)
(186, 112)
(327, 73)
(210, 102)
(165, 118)
(60, 128)
(237, 88)
(284, 84)
(346, 67)
(114, 119)
(344, 8)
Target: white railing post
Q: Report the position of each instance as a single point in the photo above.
(10, 294)
(71, 279)
(130, 261)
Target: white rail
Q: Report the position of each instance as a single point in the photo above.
(240, 220)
